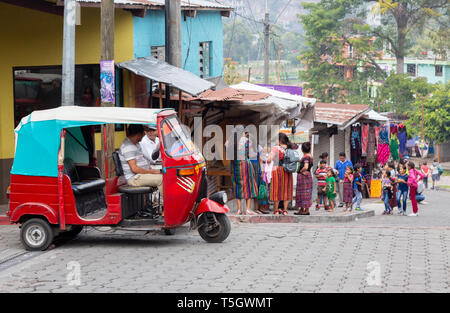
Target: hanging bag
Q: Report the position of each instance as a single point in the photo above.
(262, 191)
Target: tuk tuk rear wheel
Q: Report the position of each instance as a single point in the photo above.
(218, 232)
(36, 234)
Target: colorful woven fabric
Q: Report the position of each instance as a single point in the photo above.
(393, 147)
(383, 153)
(303, 197)
(348, 192)
(364, 139)
(244, 180)
(282, 185)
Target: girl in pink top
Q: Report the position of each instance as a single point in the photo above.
(413, 177)
(425, 169)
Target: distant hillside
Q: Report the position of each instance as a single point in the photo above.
(283, 12)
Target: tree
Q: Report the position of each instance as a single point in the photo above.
(238, 41)
(399, 18)
(333, 74)
(436, 115)
(230, 73)
(397, 92)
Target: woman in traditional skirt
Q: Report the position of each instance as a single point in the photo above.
(244, 180)
(281, 188)
(261, 205)
(303, 198)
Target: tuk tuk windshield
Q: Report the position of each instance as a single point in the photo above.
(177, 140)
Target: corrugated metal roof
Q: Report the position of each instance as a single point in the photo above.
(338, 114)
(230, 94)
(167, 74)
(185, 4)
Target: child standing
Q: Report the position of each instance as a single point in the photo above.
(321, 175)
(425, 172)
(413, 177)
(402, 192)
(348, 188)
(386, 184)
(435, 176)
(331, 188)
(357, 187)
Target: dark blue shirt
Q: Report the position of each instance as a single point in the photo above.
(357, 178)
(402, 186)
(341, 166)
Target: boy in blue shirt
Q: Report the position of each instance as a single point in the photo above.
(340, 167)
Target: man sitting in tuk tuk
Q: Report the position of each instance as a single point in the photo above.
(150, 144)
(135, 167)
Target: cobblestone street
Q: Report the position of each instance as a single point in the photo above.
(376, 254)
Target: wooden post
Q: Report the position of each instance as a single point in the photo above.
(279, 62)
(249, 73)
(107, 53)
(180, 106)
(439, 152)
(150, 99)
(160, 96)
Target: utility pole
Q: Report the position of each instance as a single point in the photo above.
(68, 63)
(107, 54)
(266, 44)
(173, 36)
(279, 62)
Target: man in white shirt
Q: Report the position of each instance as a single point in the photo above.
(150, 143)
(136, 169)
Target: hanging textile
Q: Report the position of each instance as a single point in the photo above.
(383, 153)
(371, 146)
(377, 134)
(355, 146)
(402, 138)
(383, 146)
(364, 139)
(393, 147)
(393, 129)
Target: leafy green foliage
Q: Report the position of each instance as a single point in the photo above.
(332, 74)
(436, 115)
(397, 92)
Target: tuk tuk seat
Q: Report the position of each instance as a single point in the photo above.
(126, 188)
(81, 185)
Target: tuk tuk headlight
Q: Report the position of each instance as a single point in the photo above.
(219, 197)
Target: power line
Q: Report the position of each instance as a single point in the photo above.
(279, 15)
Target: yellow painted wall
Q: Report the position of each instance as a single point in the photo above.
(33, 38)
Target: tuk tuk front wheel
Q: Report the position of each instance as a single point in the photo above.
(217, 231)
(169, 231)
(36, 234)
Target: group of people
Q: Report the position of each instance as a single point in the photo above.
(262, 179)
(403, 180)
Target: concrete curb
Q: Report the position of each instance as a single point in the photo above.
(326, 218)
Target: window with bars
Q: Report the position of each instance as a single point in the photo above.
(411, 69)
(159, 52)
(205, 59)
(438, 70)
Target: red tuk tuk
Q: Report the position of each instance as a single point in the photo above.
(57, 189)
